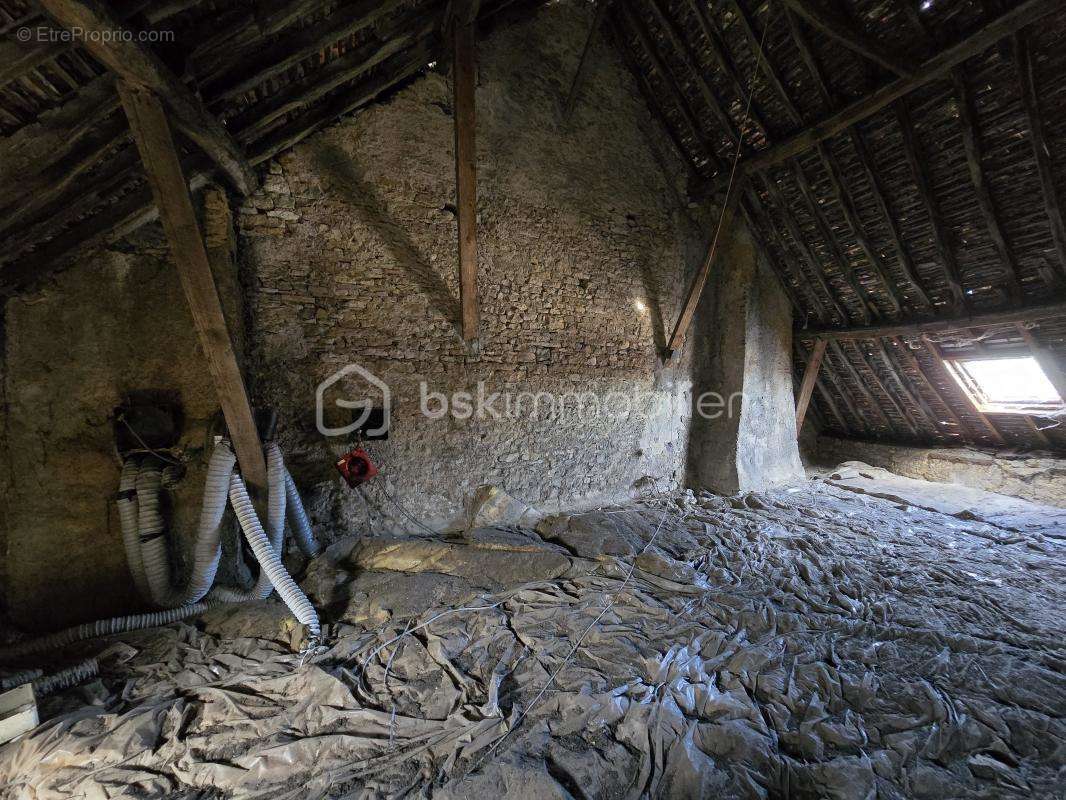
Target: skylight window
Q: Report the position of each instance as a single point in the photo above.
(1006, 385)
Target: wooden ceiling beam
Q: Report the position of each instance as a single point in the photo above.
(189, 256)
(925, 325)
(1041, 152)
(935, 67)
(932, 208)
(839, 28)
(971, 140)
(140, 66)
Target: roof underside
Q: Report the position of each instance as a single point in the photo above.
(886, 220)
(941, 204)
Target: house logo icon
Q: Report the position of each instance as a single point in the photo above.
(366, 404)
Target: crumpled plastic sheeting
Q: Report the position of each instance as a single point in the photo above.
(803, 643)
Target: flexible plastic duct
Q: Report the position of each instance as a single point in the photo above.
(276, 503)
(127, 514)
(298, 521)
(101, 627)
(19, 678)
(151, 533)
(64, 679)
(270, 559)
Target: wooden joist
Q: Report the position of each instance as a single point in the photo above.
(699, 280)
(905, 327)
(136, 65)
(152, 134)
(932, 69)
(836, 26)
(462, 33)
(810, 377)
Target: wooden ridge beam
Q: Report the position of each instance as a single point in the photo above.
(463, 35)
(699, 280)
(971, 140)
(810, 376)
(918, 326)
(1041, 152)
(836, 26)
(154, 141)
(935, 67)
(106, 41)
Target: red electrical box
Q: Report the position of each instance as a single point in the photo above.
(356, 467)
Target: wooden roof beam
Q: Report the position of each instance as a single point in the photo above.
(1041, 152)
(810, 376)
(935, 67)
(913, 327)
(462, 34)
(139, 66)
(912, 361)
(971, 140)
(836, 26)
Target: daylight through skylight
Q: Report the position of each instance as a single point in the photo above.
(1006, 383)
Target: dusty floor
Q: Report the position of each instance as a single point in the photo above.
(857, 637)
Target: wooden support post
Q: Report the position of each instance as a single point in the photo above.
(695, 289)
(463, 33)
(152, 135)
(582, 64)
(810, 376)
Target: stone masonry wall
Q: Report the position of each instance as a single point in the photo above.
(349, 255)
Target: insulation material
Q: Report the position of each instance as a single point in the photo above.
(813, 642)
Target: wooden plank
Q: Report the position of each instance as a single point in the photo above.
(836, 26)
(925, 325)
(151, 132)
(1041, 152)
(935, 67)
(932, 208)
(699, 280)
(810, 376)
(463, 87)
(118, 50)
(583, 62)
(971, 140)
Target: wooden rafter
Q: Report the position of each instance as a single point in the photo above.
(836, 26)
(109, 43)
(932, 69)
(971, 139)
(1041, 152)
(582, 64)
(1049, 364)
(889, 397)
(916, 367)
(913, 399)
(154, 141)
(985, 420)
(932, 208)
(835, 350)
(907, 327)
(810, 376)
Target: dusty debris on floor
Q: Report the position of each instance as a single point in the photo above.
(853, 637)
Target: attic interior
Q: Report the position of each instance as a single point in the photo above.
(571, 399)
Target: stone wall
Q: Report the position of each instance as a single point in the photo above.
(348, 256)
(744, 429)
(1031, 477)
